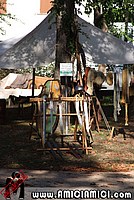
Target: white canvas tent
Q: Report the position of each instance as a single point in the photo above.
(7, 44)
(38, 47)
(104, 48)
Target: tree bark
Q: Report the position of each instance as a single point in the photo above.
(65, 34)
(99, 19)
(61, 54)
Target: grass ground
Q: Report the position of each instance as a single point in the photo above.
(17, 151)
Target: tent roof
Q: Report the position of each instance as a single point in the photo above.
(35, 49)
(104, 48)
(6, 44)
(38, 47)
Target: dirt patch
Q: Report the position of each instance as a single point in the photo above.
(17, 151)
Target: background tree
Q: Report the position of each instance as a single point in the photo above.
(109, 12)
(66, 32)
(106, 13)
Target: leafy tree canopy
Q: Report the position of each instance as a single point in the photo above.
(112, 10)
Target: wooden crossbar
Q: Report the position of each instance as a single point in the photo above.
(37, 99)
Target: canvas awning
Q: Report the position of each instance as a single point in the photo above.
(38, 47)
(104, 48)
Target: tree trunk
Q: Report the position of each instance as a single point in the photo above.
(65, 35)
(99, 20)
(61, 53)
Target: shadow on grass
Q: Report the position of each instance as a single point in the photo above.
(16, 113)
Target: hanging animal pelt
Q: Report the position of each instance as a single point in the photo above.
(100, 78)
(102, 68)
(125, 86)
(92, 76)
(88, 79)
(109, 78)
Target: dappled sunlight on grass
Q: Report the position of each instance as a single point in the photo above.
(17, 151)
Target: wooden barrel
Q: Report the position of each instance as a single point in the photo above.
(2, 111)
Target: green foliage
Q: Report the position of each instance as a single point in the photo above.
(4, 17)
(45, 70)
(120, 32)
(39, 71)
(113, 11)
(119, 11)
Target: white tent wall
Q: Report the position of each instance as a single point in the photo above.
(38, 47)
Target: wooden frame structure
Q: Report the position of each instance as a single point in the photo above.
(84, 103)
(60, 100)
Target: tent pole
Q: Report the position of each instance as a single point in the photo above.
(115, 98)
(33, 83)
(66, 104)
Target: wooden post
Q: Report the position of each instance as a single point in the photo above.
(44, 122)
(75, 129)
(126, 114)
(95, 116)
(33, 81)
(84, 138)
(115, 98)
(111, 133)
